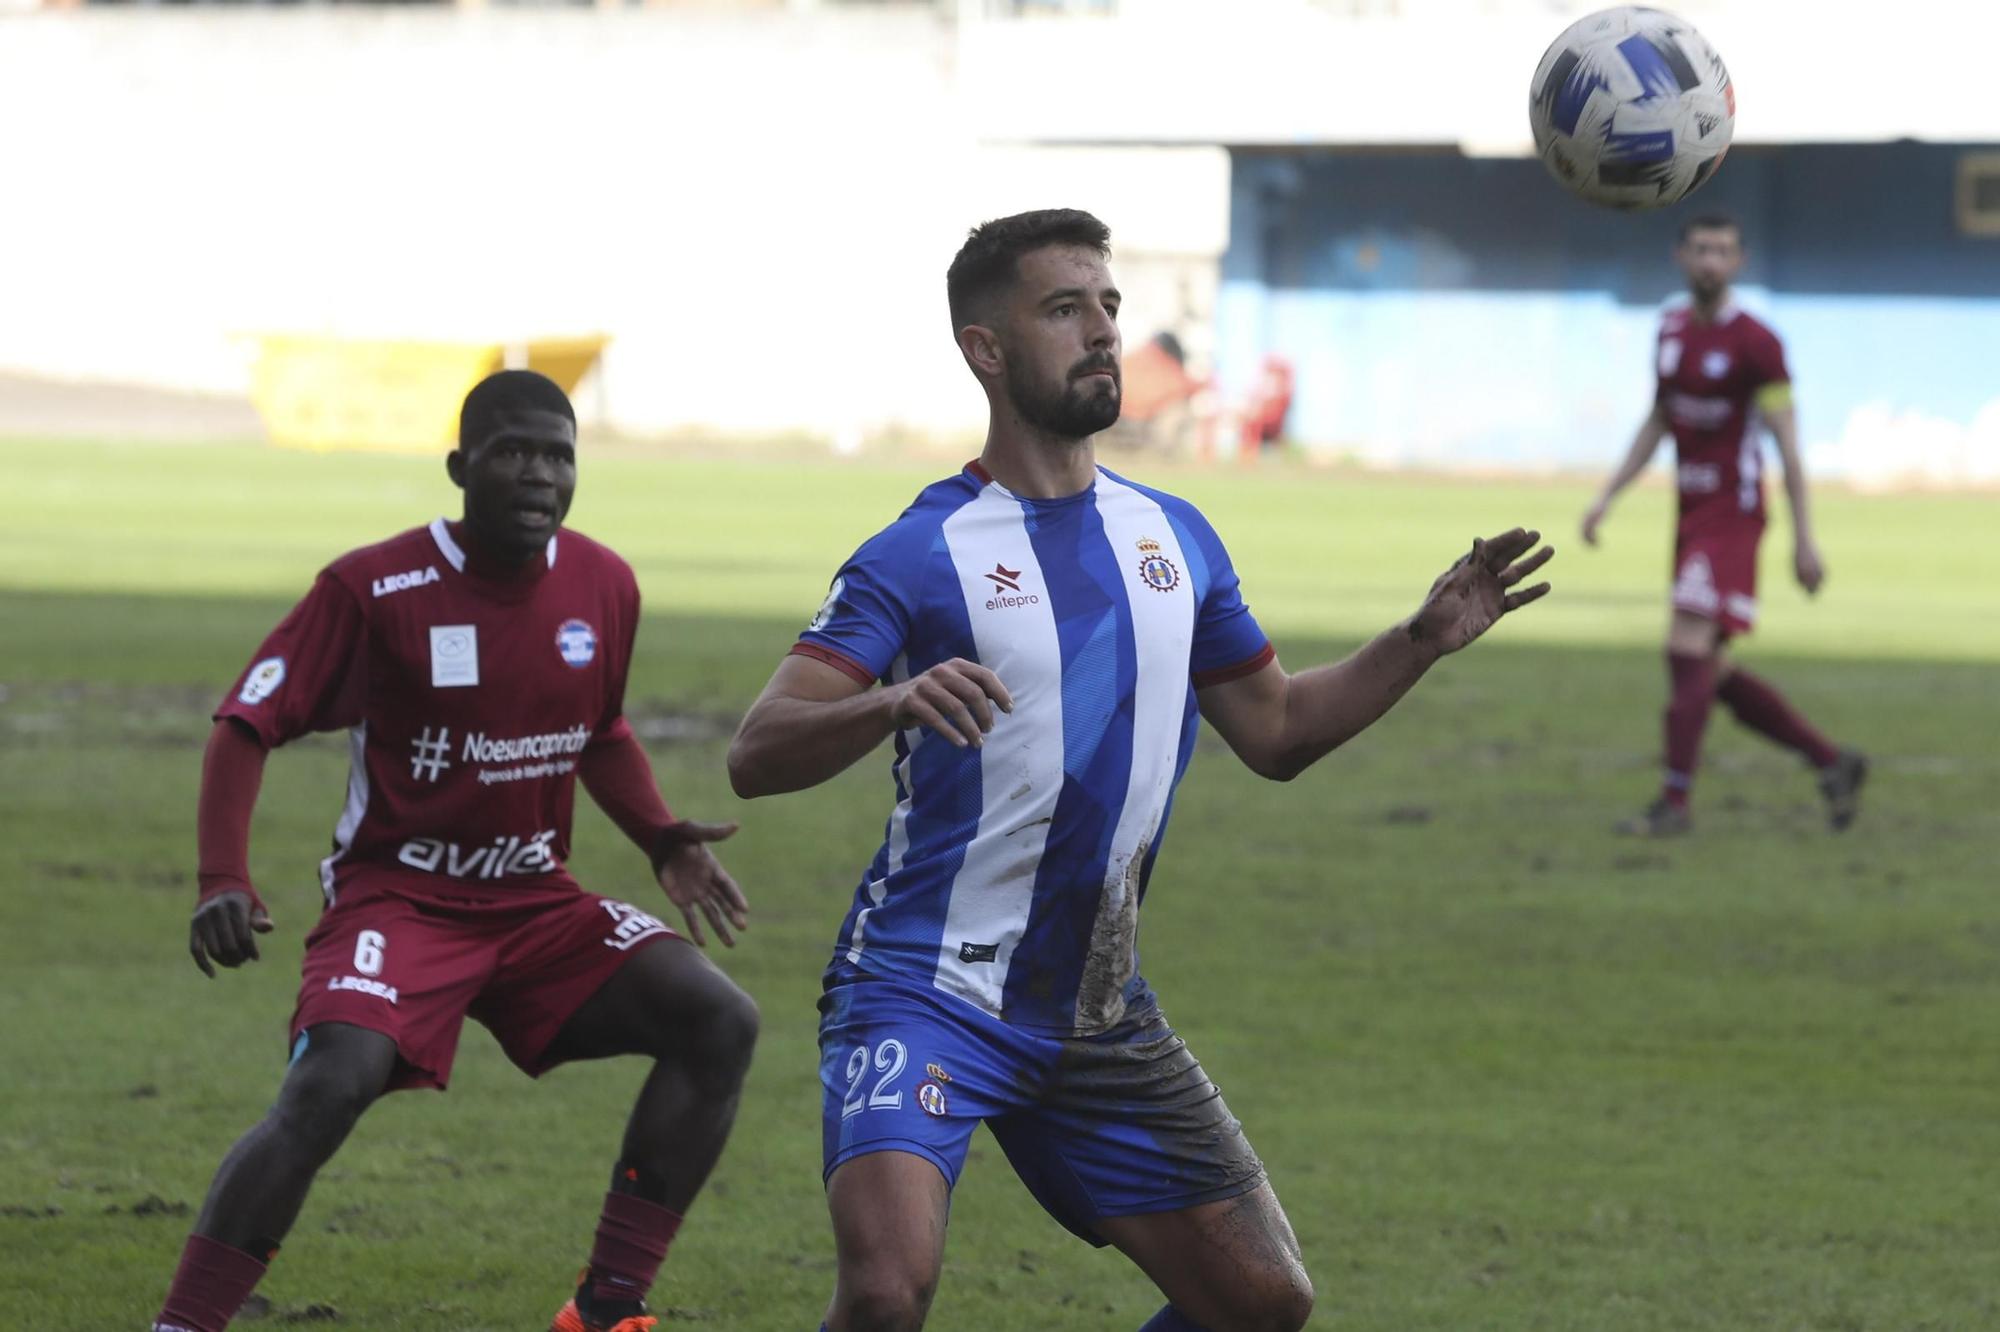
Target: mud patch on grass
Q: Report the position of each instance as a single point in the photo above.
(150, 1206)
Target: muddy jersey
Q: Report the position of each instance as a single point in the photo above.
(468, 701)
(1011, 874)
(1711, 375)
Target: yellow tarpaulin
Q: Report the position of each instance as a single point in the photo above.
(317, 392)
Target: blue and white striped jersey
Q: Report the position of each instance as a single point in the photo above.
(1011, 875)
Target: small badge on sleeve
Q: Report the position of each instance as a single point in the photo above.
(829, 606)
(454, 655)
(263, 681)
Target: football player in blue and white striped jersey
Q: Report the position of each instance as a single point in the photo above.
(1047, 636)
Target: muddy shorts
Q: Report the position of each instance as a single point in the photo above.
(1121, 1124)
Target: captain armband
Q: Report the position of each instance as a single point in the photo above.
(1774, 397)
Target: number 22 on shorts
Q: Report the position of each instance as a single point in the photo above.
(890, 1056)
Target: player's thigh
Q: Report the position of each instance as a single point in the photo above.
(889, 1210)
(906, 1076)
(1229, 1264)
(1128, 1124)
(1690, 634)
(665, 999)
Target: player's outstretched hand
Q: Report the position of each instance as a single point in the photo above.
(952, 698)
(1468, 598)
(694, 880)
(225, 930)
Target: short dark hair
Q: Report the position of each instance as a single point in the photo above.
(1710, 222)
(986, 263)
(508, 391)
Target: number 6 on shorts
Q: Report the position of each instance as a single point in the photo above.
(368, 948)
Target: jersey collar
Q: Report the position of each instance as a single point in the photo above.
(454, 553)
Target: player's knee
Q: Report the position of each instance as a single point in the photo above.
(726, 1034)
(1287, 1304)
(1276, 1300)
(317, 1109)
(884, 1301)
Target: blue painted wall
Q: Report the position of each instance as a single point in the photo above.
(1468, 312)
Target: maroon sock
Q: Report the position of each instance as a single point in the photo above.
(1759, 706)
(209, 1287)
(632, 1240)
(1693, 690)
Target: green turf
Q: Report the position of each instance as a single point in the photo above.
(1507, 1072)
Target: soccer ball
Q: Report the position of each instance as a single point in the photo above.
(1631, 108)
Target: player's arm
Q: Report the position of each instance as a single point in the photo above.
(1774, 403)
(1281, 724)
(619, 777)
(1645, 442)
(229, 915)
(814, 720)
(306, 678)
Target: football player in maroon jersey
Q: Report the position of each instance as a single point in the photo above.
(1721, 383)
(478, 667)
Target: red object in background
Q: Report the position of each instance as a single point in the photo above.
(1263, 418)
(1153, 379)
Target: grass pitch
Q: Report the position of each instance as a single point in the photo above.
(1507, 1071)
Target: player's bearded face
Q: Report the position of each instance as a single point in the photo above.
(1711, 259)
(1080, 400)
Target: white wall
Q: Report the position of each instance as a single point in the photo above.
(1457, 71)
(760, 208)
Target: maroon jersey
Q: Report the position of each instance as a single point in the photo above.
(1709, 377)
(468, 696)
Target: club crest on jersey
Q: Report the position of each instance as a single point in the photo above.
(931, 1097)
(577, 642)
(263, 681)
(1715, 364)
(1161, 574)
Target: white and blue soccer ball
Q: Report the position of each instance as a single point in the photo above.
(1631, 108)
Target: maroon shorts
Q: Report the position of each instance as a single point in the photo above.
(1715, 574)
(413, 967)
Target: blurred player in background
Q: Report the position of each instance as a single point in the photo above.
(1722, 382)
(479, 668)
(1044, 632)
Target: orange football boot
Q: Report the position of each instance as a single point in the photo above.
(569, 1318)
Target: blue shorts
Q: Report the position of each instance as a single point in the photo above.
(1121, 1124)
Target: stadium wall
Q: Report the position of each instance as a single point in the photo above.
(1456, 311)
(757, 207)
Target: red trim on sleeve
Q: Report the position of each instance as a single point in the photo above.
(1223, 675)
(840, 661)
(978, 469)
